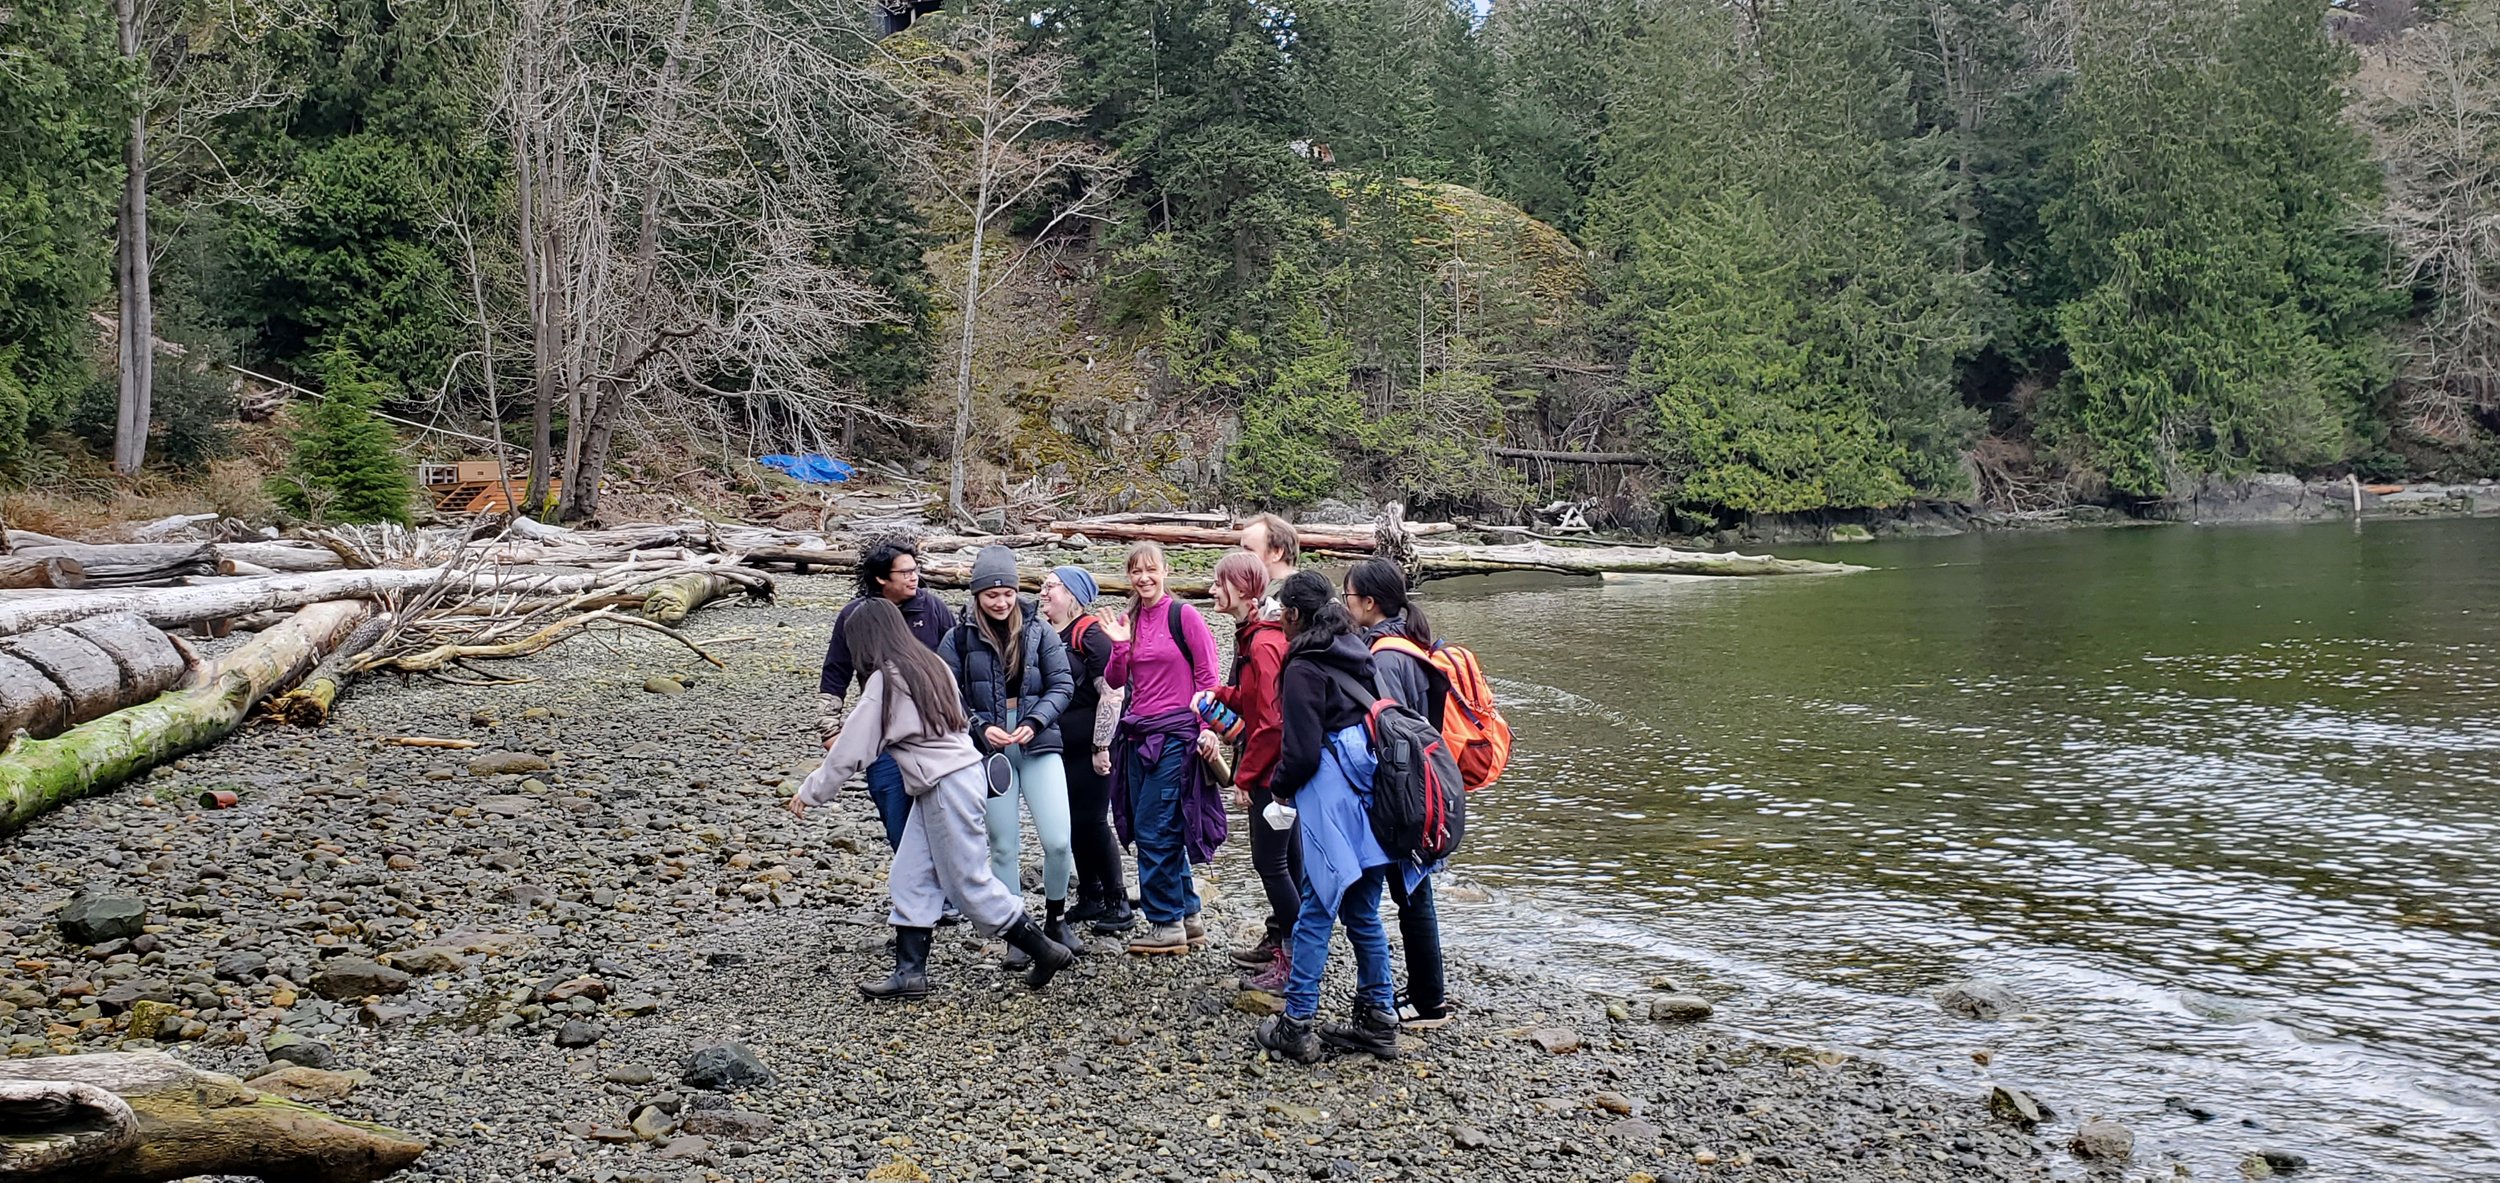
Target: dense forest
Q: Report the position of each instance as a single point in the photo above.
(1706, 257)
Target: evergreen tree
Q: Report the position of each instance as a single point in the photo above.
(59, 84)
(1788, 269)
(346, 466)
(2227, 318)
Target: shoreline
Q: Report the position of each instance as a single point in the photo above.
(652, 857)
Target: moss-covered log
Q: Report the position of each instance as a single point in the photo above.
(674, 599)
(308, 705)
(38, 775)
(143, 1117)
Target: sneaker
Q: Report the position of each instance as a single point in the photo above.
(1373, 1030)
(1197, 931)
(1273, 978)
(1256, 955)
(1415, 1018)
(1160, 939)
(1289, 1037)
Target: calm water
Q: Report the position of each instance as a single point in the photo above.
(2222, 805)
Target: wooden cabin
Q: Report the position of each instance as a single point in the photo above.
(476, 486)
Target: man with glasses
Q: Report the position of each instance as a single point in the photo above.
(889, 570)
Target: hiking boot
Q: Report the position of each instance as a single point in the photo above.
(1090, 907)
(1373, 1030)
(1117, 917)
(1273, 978)
(1197, 931)
(1063, 930)
(1047, 957)
(1289, 1037)
(1159, 939)
(910, 979)
(1256, 955)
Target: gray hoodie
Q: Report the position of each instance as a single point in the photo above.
(885, 720)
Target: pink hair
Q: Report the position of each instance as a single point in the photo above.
(1244, 572)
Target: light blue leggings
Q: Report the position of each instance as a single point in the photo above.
(1041, 782)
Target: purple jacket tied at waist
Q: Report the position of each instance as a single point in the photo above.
(1203, 821)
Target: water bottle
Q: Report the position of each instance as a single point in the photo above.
(1224, 721)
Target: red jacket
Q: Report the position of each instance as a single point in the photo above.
(1259, 655)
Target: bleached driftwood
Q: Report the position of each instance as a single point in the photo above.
(144, 1117)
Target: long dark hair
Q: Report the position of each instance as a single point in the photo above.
(1312, 610)
(1383, 583)
(879, 640)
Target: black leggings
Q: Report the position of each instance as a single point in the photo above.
(1277, 856)
(1098, 871)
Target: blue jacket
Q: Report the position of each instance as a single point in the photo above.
(925, 614)
(1335, 825)
(1041, 694)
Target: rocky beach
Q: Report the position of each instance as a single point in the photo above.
(593, 947)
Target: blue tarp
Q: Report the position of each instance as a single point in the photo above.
(814, 468)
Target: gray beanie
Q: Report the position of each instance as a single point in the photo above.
(995, 566)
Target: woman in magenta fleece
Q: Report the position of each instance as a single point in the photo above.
(1162, 654)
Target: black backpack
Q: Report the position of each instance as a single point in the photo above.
(1419, 806)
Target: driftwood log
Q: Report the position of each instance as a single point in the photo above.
(1441, 562)
(675, 598)
(309, 703)
(181, 607)
(39, 775)
(1355, 540)
(143, 1117)
(20, 571)
(56, 678)
(127, 564)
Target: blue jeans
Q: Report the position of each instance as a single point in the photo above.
(1312, 931)
(885, 787)
(1164, 887)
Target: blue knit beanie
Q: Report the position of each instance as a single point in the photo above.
(1079, 582)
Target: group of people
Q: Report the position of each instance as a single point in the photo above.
(1097, 726)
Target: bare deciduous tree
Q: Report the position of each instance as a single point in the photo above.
(191, 63)
(2435, 114)
(677, 169)
(997, 138)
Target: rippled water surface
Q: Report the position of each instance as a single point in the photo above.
(2222, 805)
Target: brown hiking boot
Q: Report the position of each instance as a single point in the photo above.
(1160, 939)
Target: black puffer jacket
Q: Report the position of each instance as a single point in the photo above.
(1042, 694)
(1312, 704)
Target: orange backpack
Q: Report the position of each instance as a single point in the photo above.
(1470, 724)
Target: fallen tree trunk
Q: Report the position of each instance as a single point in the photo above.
(144, 1117)
(1437, 562)
(39, 775)
(674, 599)
(129, 564)
(308, 705)
(280, 556)
(1336, 539)
(41, 571)
(52, 679)
(184, 606)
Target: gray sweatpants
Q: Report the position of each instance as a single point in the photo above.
(945, 854)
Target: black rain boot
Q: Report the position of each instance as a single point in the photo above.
(1289, 1037)
(910, 979)
(1061, 927)
(1373, 1030)
(1049, 956)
